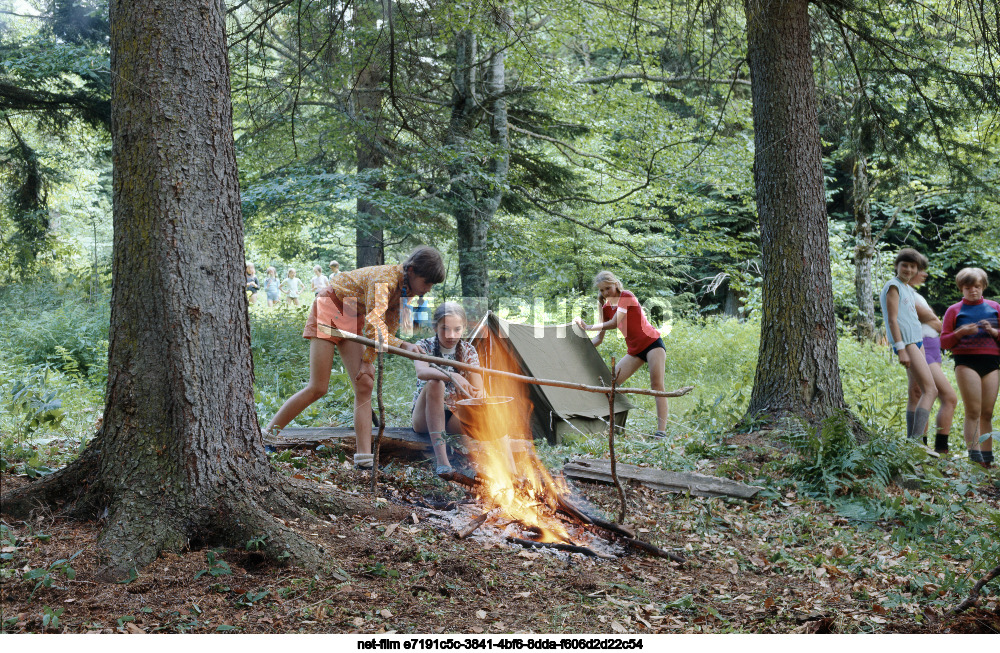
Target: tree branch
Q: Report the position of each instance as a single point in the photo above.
(662, 80)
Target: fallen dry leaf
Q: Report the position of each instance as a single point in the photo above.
(386, 614)
(481, 614)
(617, 627)
(135, 630)
(390, 528)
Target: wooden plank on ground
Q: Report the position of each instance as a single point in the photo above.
(395, 440)
(697, 484)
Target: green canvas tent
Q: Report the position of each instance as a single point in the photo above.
(558, 353)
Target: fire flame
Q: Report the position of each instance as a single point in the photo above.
(514, 478)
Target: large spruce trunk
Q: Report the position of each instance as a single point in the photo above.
(797, 371)
(179, 459)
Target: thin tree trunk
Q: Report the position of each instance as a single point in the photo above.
(371, 51)
(797, 371)
(864, 250)
(475, 204)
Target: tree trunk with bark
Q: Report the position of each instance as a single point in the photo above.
(797, 372)
(372, 50)
(474, 203)
(179, 458)
(864, 250)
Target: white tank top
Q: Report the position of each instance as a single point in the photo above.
(926, 329)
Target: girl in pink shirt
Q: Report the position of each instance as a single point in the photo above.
(971, 330)
(620, 309)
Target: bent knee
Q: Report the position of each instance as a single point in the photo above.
(364, 385)
(316, 392)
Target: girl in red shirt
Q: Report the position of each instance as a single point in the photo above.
(620, 309)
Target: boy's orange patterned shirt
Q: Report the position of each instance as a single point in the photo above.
(372, 287)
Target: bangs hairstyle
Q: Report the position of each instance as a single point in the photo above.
(971, 277)
(606, 277)
(426, 263)
(910, 255)
(449, 308)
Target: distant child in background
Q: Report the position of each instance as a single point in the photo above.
(434, 401)
(971, 330)
(292, 286)
(319, 280)
(272, 287)
(334, 269)
(902, 328)
(252, 284)
(620, 309)
(930, 327)
(422, 314)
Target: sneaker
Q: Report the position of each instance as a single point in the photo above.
(441, 470)
(659, 434)
(364, 461)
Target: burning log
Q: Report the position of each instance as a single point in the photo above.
(473, 527)
(571, 548)
(571, 510)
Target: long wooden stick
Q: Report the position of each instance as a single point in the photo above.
(381, 418)
(973, 598)
(510, 375)
(611, 444)
(571, 548)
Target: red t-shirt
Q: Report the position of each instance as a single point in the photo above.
(638, 332)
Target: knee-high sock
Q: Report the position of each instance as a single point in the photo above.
(921, 416)
(909, 423)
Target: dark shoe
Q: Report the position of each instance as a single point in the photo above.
(941, 443)
(660, 434)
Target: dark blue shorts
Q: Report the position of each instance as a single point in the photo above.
(658, 344)
(981, 364)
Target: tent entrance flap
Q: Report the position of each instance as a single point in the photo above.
(557, 352)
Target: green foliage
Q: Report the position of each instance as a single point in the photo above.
(31, 405)
(830, 463)
(50, 617)
(380, 570)
(50, 324)
(215, 567)
(46, 576)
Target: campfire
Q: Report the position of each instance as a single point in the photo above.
(512, 481)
